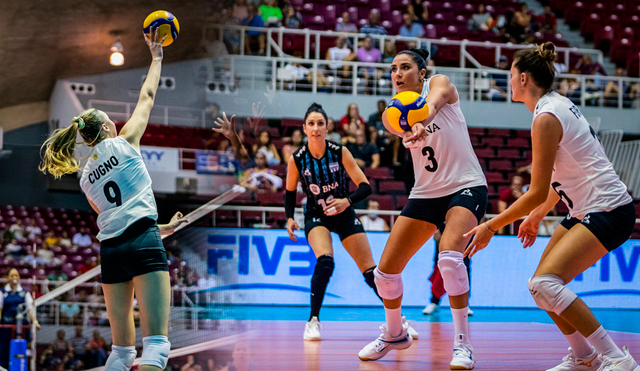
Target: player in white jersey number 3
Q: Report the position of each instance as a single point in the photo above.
(568, 164)
(118, 187)
(449, 186)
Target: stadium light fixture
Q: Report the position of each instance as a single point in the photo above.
(117, 59)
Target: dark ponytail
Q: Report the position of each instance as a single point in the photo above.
(315, 107)
(538, 61)
(419, 56)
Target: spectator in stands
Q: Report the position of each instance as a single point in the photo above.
(261, 177)
(547, 21)
(292, 19)
(481, 19)
(352, 116)
(384, 137)
(96, 296)
(270, 13)
(79, 345)
(514, 32)
(613, 88)
(33, 231)
(570, 87)
(265, 146)
(372, 221)
(389, 51)
(366, 154)
(332, 135)
(46, 254)
(410, 28)
(70, 309)
(13, 251)
(294, 143)
(411, 10)
(423, 13)
(60, 344)
(82, 238)
(51, 239)
(510, 195)
(559, 66)
(634, 95)
(338, 53)
(98, 349)
(587, 66)
(89, 264)
(373, 27)
(17, 229)
(212, 47)
(368, 53)
(254, 38)
(64, 240)
(190, 364)
(240, 10)
(344, 25)
(523, 19)
(498, 82)
(57, 276)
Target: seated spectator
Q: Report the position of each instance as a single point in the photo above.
(372, 221)
(332, 135)
(547, 21)
(254, 38)
(410, 28)
(212, 47)
(389, 52)
(51, 239)
(365, 153)
(58, 276)
(481, 19)
(373, 27)
(570, 87)
(292, 19)
(352, 116)
(61, 346)
(64, 240)
(190, 364)
(295, 142)
(240, 10)
(270, 13)
(509, 195)
(33, 231)
(82, 238)
(340, 52)
(411, 10)
(70, 309)
(368, 54)
(261, 177)
(344, 25)
(350, 135)
(613, 88)
(98, 349)
(45, 254)
(266, 147)
(559, 65)
(381, 136)
(587, 66)
(231, 37)
(516, 27)
(17, 229)
(423, 13)
(634, 95)
(79, 344)
(499, 82)
(32, 259)
(13, 251)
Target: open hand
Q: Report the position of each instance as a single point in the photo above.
(292, 226)
(481, 237)
(226, 126)
(154, 45)
(528, 232)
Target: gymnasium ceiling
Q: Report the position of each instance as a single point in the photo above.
(45, 40)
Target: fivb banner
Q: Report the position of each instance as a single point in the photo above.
(160, 159)
(266, 267)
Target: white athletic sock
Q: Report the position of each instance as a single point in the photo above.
(579, 344)
(461, 323)
(601, 340)
(394, 321)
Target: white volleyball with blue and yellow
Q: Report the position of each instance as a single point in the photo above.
(166, 23)
(406, 109)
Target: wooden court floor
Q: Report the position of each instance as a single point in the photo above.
(278, 345)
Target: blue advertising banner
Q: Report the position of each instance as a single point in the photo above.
(215, 162)
(266, 267)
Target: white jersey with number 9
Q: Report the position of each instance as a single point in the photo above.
(116, 181)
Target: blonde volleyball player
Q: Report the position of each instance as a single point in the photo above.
(118, 187)
(449, 186)
(569, 163)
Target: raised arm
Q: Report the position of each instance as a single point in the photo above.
(135, 127)
(228, 129)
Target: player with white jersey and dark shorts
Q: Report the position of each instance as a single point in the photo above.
(569, 164)
(449, 186)
(322, 167)
(118, 187)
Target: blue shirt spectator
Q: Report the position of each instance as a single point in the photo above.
(372, 28)
(253, 20)
(409, 28)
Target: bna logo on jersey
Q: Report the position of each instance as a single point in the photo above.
(314, 189)
(334, 166)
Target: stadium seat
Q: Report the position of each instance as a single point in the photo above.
(391, 187)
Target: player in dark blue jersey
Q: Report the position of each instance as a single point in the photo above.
(322, 167)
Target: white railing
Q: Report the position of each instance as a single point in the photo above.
(166, 115)
(472, 83)
(611, 140)
(627, 165)
(275, 37)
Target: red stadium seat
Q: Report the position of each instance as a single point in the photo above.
(387, 202)
(391, 187)
(518, 143)
(379, 173)
(401, 201)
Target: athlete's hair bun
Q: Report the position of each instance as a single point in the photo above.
(547, 51)
(315, 107)
(424, 53)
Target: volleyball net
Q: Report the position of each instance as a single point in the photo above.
(200, 314)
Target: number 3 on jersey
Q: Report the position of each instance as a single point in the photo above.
(433, 166)
(116, 198)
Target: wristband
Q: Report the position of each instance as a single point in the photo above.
(489, 229)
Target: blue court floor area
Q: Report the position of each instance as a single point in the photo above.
(612, 319)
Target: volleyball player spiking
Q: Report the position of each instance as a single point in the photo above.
(569, 163)
(118, 187)
(449, 186)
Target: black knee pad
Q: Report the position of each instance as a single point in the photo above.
(369, 278)
(324, 269)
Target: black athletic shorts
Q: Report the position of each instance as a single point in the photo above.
(344, 224)
(137, 251)
(611, 228)
(434, 210)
